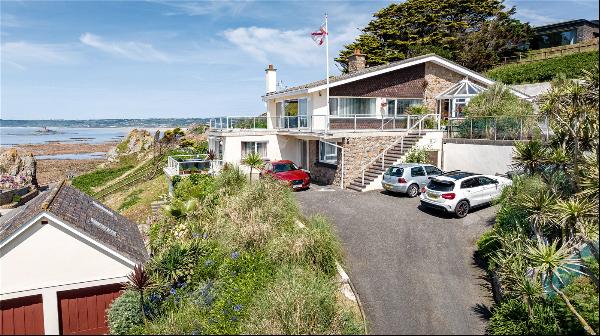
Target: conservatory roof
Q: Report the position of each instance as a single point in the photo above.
(464, 88)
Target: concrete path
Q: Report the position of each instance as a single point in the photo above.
(413, 270)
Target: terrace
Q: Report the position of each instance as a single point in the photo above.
(183, 165)
(327, 123)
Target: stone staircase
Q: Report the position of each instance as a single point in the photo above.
(374, 173)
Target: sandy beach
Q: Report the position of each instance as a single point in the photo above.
(54, 148)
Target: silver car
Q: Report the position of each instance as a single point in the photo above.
(408, 178)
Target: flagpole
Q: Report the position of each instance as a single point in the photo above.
(327, 63)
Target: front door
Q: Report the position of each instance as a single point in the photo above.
(304, 154)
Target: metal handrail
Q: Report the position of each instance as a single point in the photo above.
(492, 125)
(400, 140)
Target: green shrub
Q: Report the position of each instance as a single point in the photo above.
(178, 262)
(512, 318)
(195, 186)
(487, 245)
(298, 302)
(16, 198)
(124, 313)
(498, 100)
(541, 71)
(417, 155)
(584, 297)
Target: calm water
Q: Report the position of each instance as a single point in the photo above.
(10, 136)
(80, 156)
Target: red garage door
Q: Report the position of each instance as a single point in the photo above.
(83, 311)
(22, 316)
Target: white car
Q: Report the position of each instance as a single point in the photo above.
(457, 192)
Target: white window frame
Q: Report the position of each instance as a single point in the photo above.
(255, 150)
(337, 112)
(331, 155)
(387, 100)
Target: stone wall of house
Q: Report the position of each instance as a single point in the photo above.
(439, 79)
(320, 173)
(586, 33)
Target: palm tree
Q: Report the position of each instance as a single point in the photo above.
(254, 161)
(529, 155)
(590, 181)
(139, 281)
(547, 261)
(539, 208)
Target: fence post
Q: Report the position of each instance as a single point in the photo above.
(382, 122)
(382, 160)
(471, 128)
(355, 122)
(253, 122)
(521, 131)
(495, 128)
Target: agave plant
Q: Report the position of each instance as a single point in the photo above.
(530, 156)
(548, 262)
(539, 208)
(139, 281)
(578, 217)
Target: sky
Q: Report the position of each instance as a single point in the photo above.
(174, 59)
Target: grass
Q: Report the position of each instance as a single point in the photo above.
(87, 182)
(237, 263)
(131, 200)
(546, 70)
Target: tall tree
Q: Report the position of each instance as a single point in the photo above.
(417, 27)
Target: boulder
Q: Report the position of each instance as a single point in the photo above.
(138, 141)
(17, 170)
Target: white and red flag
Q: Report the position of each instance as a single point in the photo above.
(319, 35)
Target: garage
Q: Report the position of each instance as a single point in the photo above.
(22, 316)
(83, 311)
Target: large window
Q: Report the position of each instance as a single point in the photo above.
(293, 113)
(327, 153)
(350, 107)
(399, 106)
(249, 147)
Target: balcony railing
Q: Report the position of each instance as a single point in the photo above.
(319, 123)
(498, 128)
(191, 164)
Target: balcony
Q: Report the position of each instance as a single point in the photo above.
(183, 165)
(320, 123)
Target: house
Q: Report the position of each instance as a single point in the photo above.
(564, 33)
(63, 259)
(348, 132)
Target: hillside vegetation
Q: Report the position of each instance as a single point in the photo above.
(572, 66)
(229, 258)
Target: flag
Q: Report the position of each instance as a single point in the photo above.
(319, 36)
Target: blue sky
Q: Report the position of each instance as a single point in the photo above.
(111, 59)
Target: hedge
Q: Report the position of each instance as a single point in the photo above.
(546, 70)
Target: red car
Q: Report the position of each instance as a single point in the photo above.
(287, 171)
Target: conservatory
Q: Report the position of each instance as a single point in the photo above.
(451, 103)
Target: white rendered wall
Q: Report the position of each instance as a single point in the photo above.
(48, 255)
(232, 147)
(482, 159)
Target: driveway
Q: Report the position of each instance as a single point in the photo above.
(413, 270)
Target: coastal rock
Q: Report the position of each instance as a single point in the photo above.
(17, 170)
(138, 141)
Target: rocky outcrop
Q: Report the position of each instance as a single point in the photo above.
(17, 170)
(138, 141)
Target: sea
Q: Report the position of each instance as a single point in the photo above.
(14, 136)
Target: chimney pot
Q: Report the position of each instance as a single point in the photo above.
(357, 61)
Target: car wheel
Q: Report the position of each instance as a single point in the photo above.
(413, 190)
(462, 209)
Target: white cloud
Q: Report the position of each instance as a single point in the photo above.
(534, 17)
(205, 7)
(22, 54)
(137, 51)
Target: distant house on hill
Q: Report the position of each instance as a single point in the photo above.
(564, 33)
(63, 259)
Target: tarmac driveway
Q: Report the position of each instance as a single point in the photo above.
(413, 269)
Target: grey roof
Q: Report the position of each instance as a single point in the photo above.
(84, 214)
(364, 71)
(566, 24)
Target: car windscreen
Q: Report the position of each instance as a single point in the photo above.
(395, 171)
(283, 167)
(440, 185)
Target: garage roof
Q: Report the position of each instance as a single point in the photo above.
(84, 214)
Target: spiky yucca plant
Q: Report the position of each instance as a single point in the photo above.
(139, 281)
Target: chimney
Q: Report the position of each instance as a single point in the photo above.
(271, 78)
(357, 61)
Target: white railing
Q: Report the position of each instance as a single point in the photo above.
(498, 127)
(321, 123)
(178, 164)
(418, 125)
